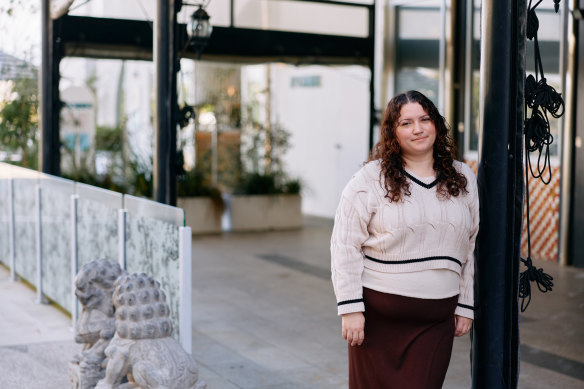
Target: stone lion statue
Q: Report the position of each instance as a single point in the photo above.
(94, 286)
(142, 352)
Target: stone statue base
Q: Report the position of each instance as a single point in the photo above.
(84, 377)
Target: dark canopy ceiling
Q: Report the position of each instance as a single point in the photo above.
(132, 39)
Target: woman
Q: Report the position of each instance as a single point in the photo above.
(402, 252)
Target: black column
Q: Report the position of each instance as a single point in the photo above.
(165, 62)
(496, 327)
(49, 149)
(372, 112)
(459, 34)
(576, 237)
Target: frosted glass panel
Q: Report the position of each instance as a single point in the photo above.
(25, 225)
(56, 238)
(152, 247)
(154, 210)
(97, 224)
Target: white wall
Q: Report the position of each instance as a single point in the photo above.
(138, 106)
(329, 126)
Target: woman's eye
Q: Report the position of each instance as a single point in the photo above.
(425, 119)
(405, 123)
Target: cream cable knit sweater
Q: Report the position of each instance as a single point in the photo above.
(421, 232)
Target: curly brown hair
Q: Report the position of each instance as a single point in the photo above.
(388, 151)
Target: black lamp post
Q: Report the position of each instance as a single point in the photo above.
(199, 30)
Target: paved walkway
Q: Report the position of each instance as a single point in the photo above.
(264, 317)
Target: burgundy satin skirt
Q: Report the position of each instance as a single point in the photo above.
(408, 342)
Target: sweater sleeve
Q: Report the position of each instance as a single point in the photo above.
(349, 233)
(465, 305)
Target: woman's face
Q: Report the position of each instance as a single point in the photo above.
(415, 131)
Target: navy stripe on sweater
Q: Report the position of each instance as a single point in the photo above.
(425, 259)
(350, 302)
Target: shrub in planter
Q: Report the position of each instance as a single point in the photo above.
(194, 184)
(266, 202)
(201, 201)
(266, 184)
(292, 187)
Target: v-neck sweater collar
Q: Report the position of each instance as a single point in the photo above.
(426, 182)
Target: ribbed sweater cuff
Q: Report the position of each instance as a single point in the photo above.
(464, 311)
(350, 306)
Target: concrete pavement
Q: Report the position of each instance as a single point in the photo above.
(264, 316)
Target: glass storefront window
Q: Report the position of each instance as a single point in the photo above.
(417, 57)
(472, 126)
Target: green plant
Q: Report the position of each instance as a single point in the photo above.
(137, 182)
(267, 183)
(263, 159)
(109, 138)
(19, 120)
(292, 187)
(194, 183)
(257, 183)
(84, 176)
(139, 176)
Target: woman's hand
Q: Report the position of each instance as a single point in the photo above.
(354, 328)
(461, 325)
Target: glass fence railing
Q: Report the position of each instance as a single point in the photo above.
(152, 245)
(50, 227)
(97, 223)
(24, 204)
(55, 232)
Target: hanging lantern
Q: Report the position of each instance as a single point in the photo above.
(199, 30)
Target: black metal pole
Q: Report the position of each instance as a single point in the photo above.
(576, 214)
(49, 148)
(165, 57)
(459, 55)
(174, 65)
(372, 113)
(231, 17)
(496, 327)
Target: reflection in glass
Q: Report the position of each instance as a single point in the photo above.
(418, 49)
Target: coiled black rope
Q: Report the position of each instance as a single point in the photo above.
(541, 99)
(543, 281)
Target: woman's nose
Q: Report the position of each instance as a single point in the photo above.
(417, 128)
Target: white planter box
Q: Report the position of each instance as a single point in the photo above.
(265, 212)
(201, 214)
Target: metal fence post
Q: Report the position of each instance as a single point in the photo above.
(185, 301)
(122, 238)
(74, 258)
(11, 234)
(40, 298)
